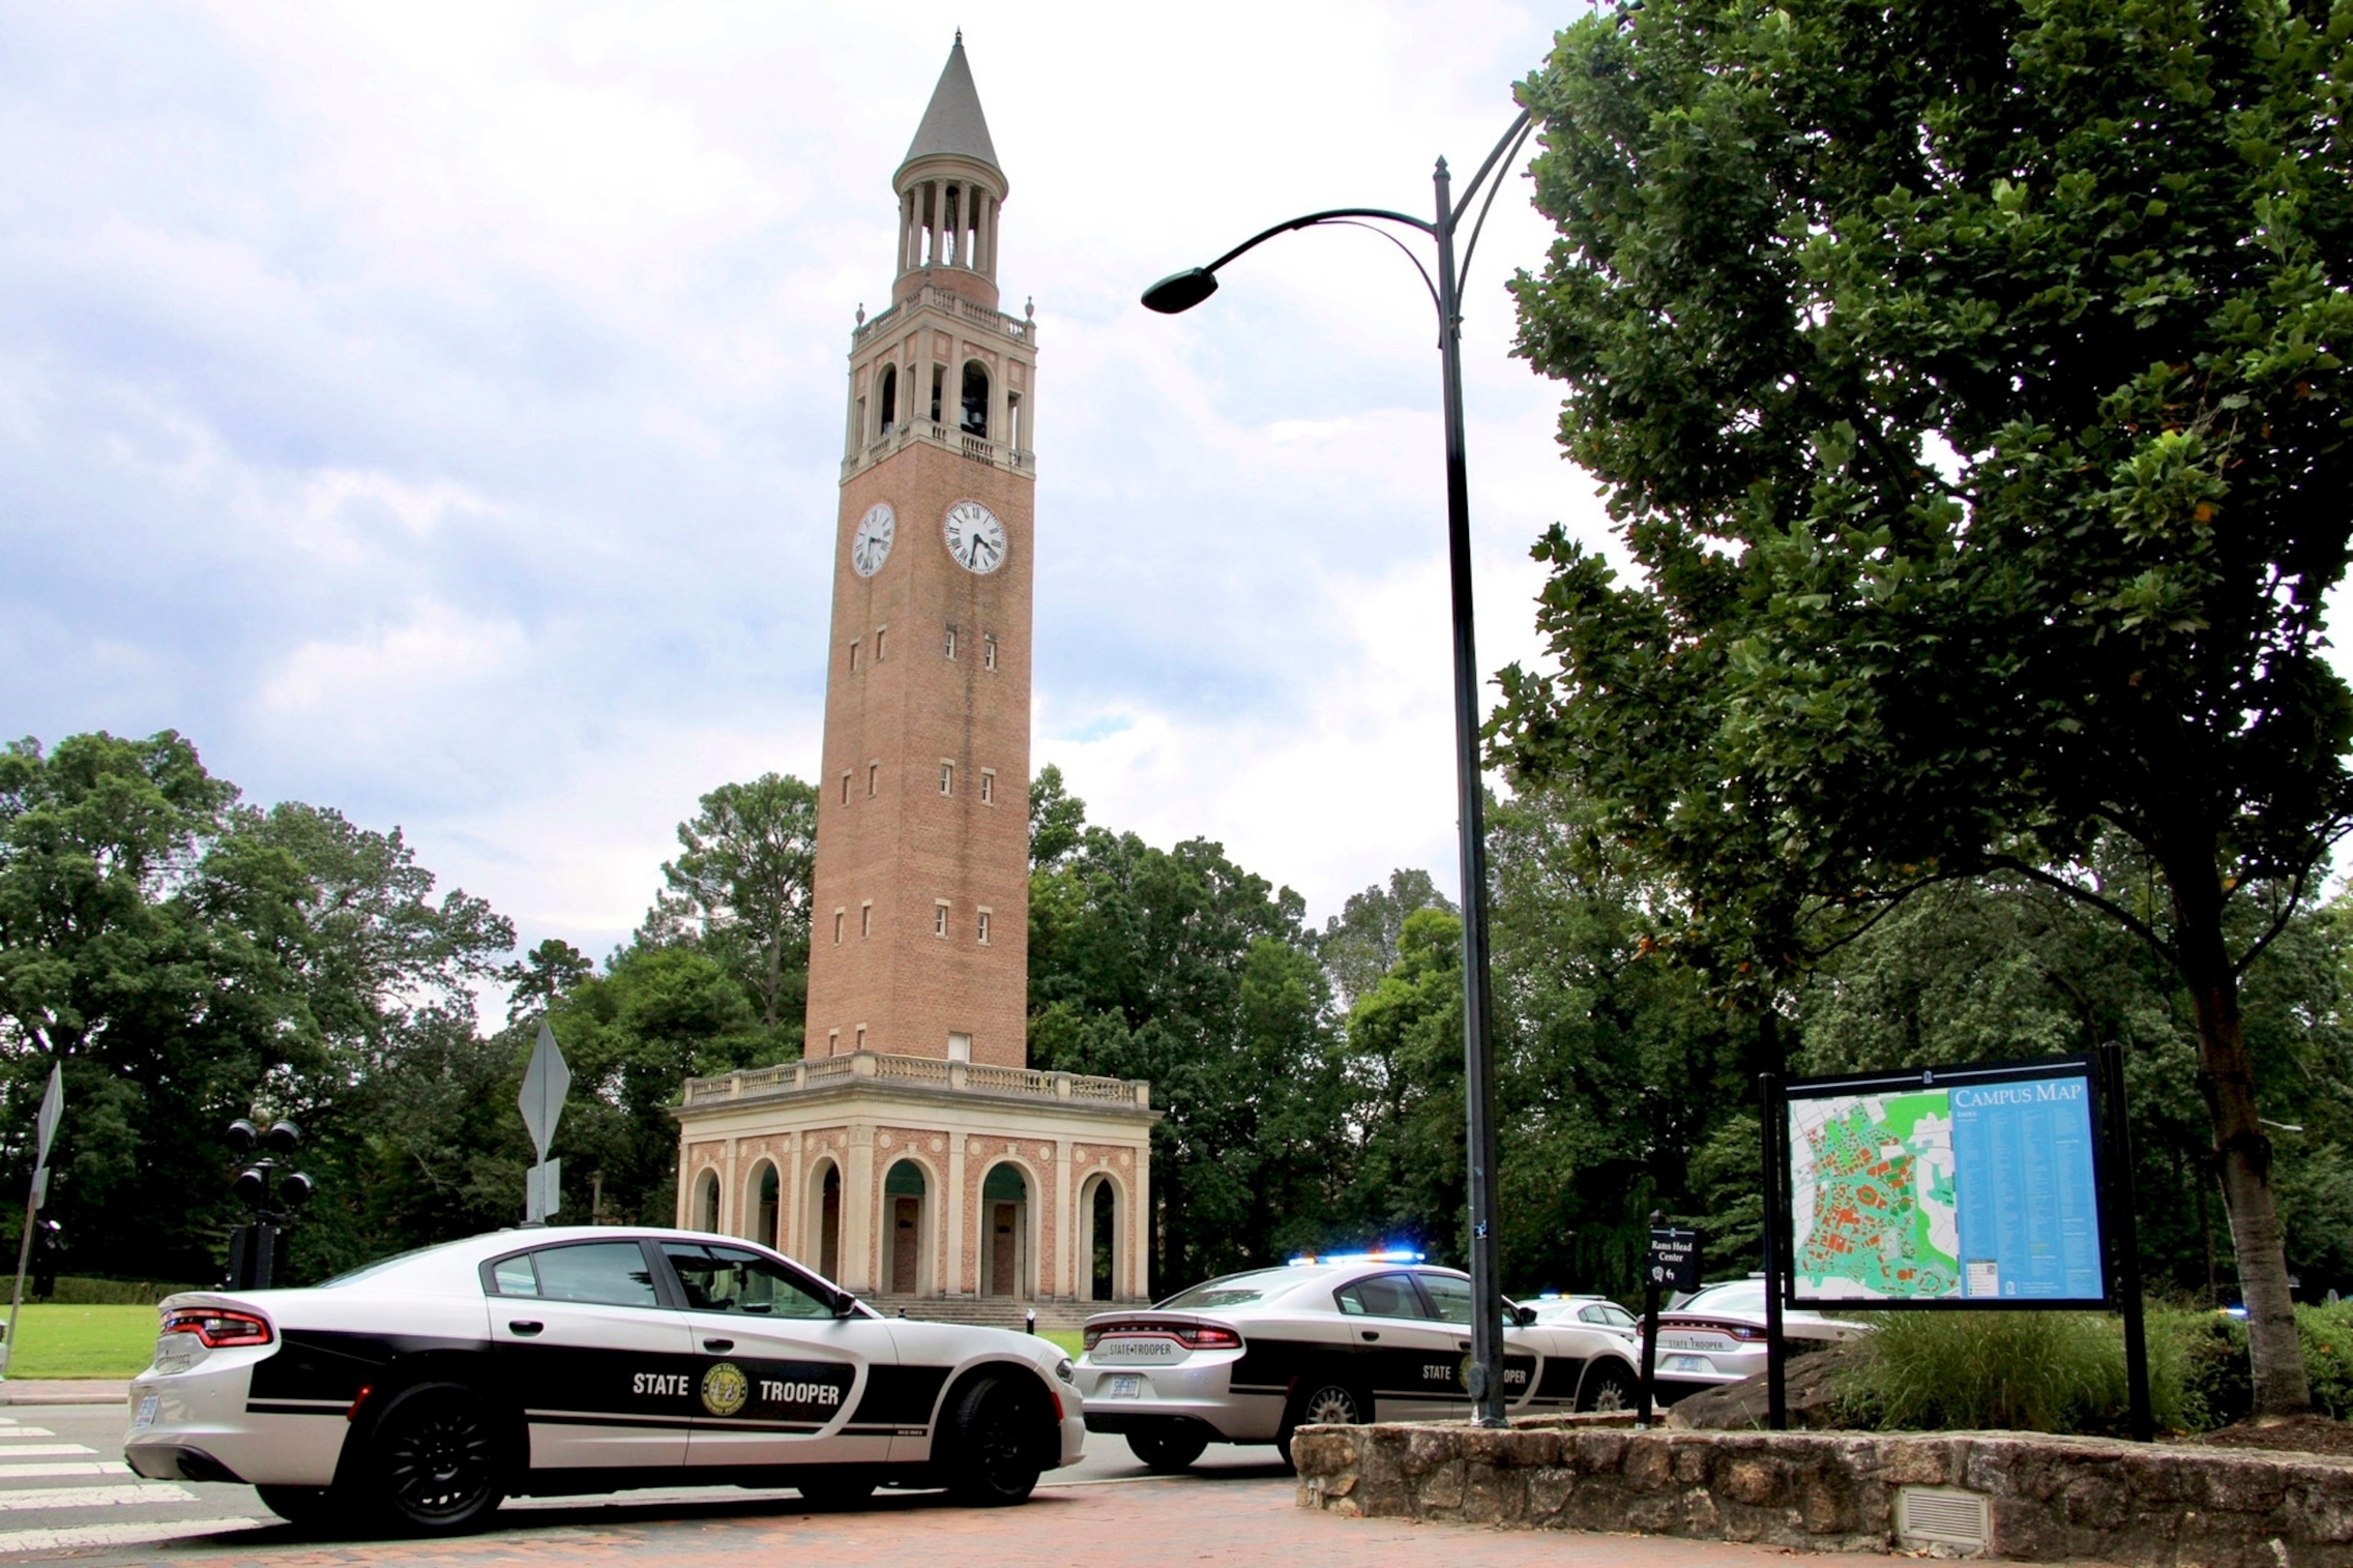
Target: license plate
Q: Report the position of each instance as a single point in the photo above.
(1127, 1387)
(1684, 1364)
(146, 1414)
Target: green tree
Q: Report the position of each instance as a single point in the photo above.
(742, 887)
(1360, 944)
(1178, 966)
(1057, 818)
(1968, 386)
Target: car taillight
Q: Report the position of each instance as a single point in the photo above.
(218, 1327)
(1192, 1336)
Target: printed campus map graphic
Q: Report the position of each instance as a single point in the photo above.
(1975, 1190)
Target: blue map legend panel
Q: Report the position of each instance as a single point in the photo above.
(2026, 1194)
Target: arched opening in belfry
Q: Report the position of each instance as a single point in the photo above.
(825, 1220)
(765, 1205)
(976, 397)
(1100, 1208)
(1005, 1232)
(886, 397)
(706, 1201)
(905, 1232)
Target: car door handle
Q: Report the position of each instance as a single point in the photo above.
(1369, 1334)
(718, 1347)
(525, 1326)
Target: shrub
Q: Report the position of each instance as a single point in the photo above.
(81, 1290)
(2036, 1372)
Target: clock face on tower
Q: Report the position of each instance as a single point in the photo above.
(975, 538)
(870, 545)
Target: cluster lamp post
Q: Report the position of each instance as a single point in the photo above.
(1182, 292)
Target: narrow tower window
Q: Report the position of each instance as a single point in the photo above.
(959, 1047)
(861, 1037)
(873, 779)
(880, 634)
(845, 787)
(889, 397)
(833, 1042)
(984, 927)
(947, 777)
(988, 786)
(940, 918)
(866, 919)
(939, 386)
(853, 654)
(988, 653)
(976, 398)
(840, 917)
(950, 642)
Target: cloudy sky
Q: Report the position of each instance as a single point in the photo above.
(434, 410)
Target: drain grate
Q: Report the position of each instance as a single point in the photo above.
(1943, 1516)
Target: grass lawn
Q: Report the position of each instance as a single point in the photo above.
(82, 1341)
(1070, 1343)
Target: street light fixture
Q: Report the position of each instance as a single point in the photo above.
(1183, 291)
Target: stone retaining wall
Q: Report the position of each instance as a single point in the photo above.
(2046, 1498)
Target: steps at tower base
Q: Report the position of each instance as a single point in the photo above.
(989, 1311)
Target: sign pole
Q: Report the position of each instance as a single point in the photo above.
(1650, 1329)
(2124, 1226)
(1776, 1391)
(53, 1106)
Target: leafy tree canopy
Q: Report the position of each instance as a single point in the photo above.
(1968, 386)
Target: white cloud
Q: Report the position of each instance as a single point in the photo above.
(434, 411)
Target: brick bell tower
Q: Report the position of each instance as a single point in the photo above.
(920, 940)
(912, 1153)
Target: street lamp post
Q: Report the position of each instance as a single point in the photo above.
(1182, 292)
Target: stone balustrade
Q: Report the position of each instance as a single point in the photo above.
(929, 1074)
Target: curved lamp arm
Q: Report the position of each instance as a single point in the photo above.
(1183, 291)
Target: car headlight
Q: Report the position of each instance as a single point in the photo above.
(1063, 1371)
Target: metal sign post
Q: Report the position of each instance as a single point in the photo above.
(53, 1108)
(545, 1081)
(1674, 1266)
(1777, 1386)
(2124, 1233)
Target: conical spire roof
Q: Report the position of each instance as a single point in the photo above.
(954, 123)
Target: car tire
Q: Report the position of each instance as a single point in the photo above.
(436, 1461)
(1323, 1401)
(1608, 1386)
(1167, 1450)
(993, 1445)
(299, 1505)
(832, 1494)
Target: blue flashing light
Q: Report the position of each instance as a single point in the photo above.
(1378, 1254)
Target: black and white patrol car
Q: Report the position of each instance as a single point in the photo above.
(1248, 1358)
(420, 1390)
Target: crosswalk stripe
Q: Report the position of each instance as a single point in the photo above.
(15, 1432)
(136, 1495)
(45, 1469)
(72, 1535)
(41, 1450)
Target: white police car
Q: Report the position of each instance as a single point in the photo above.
(1248, 1358)
(419, 1391)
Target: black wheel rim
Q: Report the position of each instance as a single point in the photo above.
(438, 1462)
(997, 1450)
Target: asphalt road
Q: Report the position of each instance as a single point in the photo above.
(64, 1491)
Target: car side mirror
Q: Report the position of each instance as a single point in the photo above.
(1524, 1316)
(845, 1305)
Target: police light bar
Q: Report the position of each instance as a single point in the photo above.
(1378, 1254)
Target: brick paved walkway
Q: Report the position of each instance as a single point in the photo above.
(1137, 1524)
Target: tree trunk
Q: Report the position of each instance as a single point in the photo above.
(2243, 1155)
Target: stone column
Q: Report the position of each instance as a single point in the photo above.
(956, 1213)
(1066, 1227)
(858, 1210)
(1139, 1228)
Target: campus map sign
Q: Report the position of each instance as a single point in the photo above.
(1948, 1187)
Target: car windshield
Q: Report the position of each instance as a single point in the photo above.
(1241, 1289)
(1738, 1296)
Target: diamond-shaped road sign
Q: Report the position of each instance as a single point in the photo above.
(53, 1110)
(545, 1084)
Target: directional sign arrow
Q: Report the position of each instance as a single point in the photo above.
(545, 1084)
(53, 1108)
